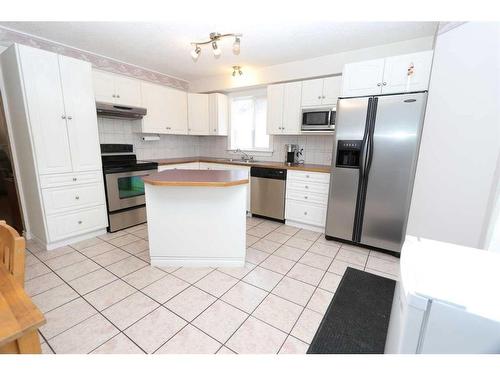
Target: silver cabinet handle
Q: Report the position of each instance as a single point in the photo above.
(74, 178)
(379, 84)
(305, 196)
(384, 83)
(77, 197)
(63, 117)
(79, 221)
(307, 187)
(118, 96)
(324, 97)
(305, 213)
(70, 118)
(114, 96)
(319, 97)
(307, 176)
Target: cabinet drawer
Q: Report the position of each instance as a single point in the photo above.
(69, 198)
(308, 176)
(66, 179)
(306, 186)
(321, 199)
(305, 213)
(72, 224)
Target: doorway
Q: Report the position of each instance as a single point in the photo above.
(10, 209)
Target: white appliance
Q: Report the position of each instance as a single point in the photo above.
(447, 300)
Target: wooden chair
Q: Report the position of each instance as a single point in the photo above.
(12, 247)
(19, 317)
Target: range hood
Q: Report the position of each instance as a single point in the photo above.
(119, 111)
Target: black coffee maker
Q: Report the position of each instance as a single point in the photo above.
(292, 154)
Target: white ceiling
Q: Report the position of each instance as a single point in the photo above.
(165, 47)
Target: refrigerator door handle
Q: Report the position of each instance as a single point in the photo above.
(356, 233)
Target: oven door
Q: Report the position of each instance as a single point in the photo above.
(125, 189)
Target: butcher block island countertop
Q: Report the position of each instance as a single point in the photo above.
(267, 164)
(188, 177)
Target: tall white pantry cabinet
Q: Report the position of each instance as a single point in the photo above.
(53, 124)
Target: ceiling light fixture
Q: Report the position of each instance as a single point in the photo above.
(196, 53)
(214, 38)
(237, 70)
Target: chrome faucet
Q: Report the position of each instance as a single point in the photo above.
(244, 155)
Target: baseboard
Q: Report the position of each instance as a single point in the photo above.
(71, 240)
(297, 224)
(196, 262)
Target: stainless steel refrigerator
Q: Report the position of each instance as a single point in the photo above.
(373, 166)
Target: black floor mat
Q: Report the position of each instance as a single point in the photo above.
(357, 319)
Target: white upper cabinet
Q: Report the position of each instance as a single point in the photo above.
(283, 108)
(388, 76)
(322, 91)
(112, 88)
(363, 78)
(291, 108)
(312, 92)
(198, 114)
(76, 76)
(332, 87)
(407, 72)
(176, 108)
(44, 99)
(166, 109)
(218, 114)
(275, 96)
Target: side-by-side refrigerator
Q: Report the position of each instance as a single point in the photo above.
(373, 166)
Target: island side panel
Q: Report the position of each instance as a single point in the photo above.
(196, 226)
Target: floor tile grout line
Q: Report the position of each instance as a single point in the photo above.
(238, 279)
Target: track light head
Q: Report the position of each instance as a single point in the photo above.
(196, 53)
(216, 49)
(236, 46)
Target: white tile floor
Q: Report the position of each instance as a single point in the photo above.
(102, 296)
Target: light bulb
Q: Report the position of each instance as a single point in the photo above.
(196, 53)
(236, 46)
(217, 50)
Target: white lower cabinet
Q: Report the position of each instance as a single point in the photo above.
(307, 199)
(190, 165)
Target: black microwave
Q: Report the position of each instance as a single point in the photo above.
(318, 119)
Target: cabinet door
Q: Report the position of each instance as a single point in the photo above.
(176, 111)
(42, 85)
(291, 108)
(399, 76)
(332, 86)
(218, 114)
(312, 92)
(363, 78)
(76, 77)
(127, 91)
(154, 99)
(104, 87)
(198, 114)
(275, 97)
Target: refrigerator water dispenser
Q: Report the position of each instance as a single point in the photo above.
(348, 154)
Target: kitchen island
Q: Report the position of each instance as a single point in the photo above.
(196, 217)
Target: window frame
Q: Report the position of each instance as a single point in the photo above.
(261, 92)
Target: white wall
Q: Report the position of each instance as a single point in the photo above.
(316, 67)
(457, 173)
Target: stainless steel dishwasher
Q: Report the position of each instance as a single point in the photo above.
(268, 192)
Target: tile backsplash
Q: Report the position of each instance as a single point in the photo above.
(317, 148)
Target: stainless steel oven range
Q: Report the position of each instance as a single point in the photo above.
(124, 186)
